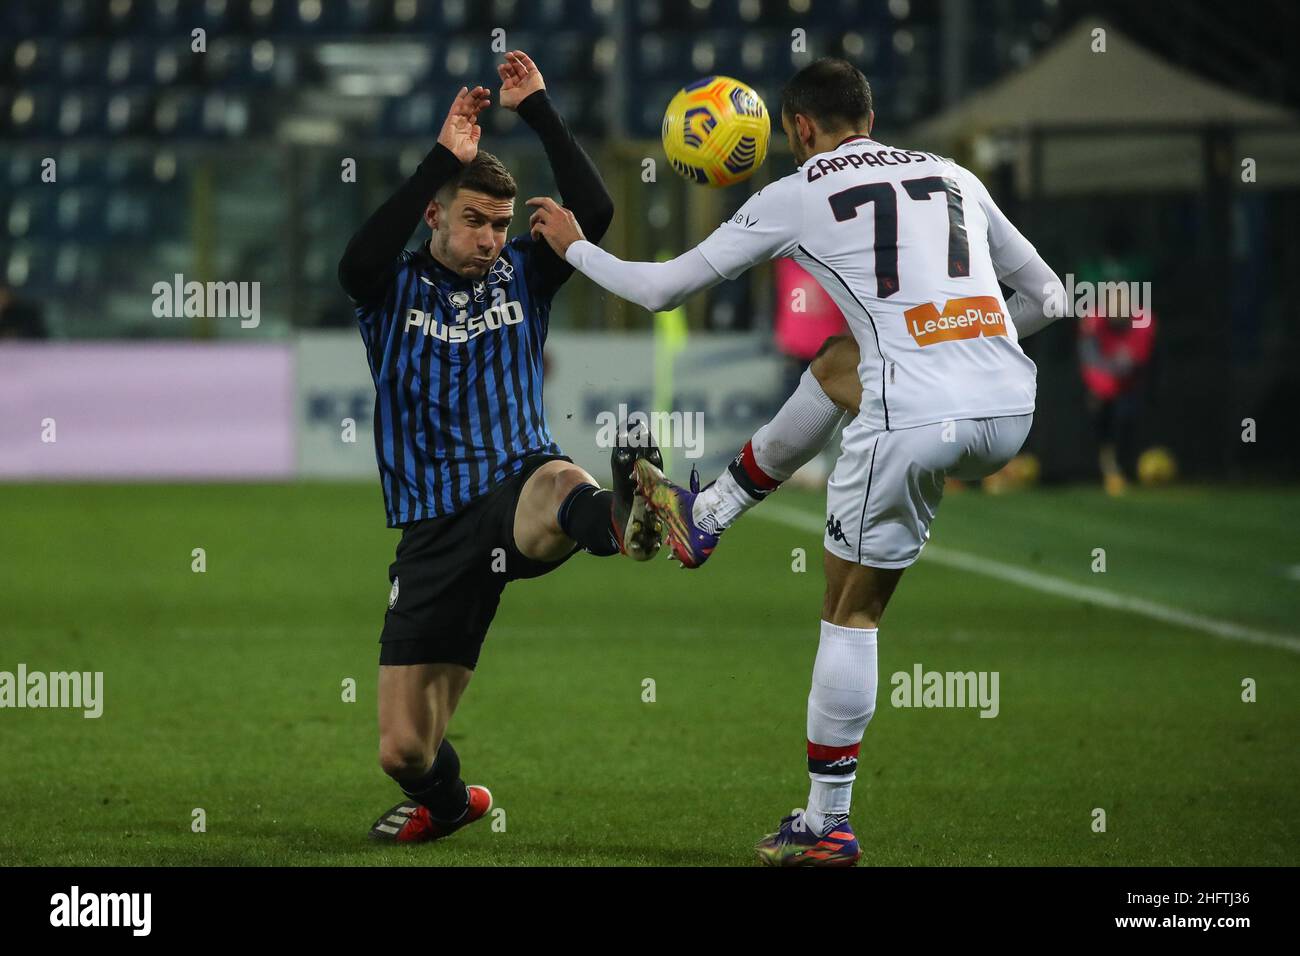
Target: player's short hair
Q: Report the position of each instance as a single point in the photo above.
(831, 91)
(484, 174)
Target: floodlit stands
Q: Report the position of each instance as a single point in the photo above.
(113, 90)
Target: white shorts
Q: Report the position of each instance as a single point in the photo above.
(886, 486)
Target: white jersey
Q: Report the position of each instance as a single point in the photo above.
(910, 246)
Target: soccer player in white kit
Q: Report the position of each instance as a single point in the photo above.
(911, 247)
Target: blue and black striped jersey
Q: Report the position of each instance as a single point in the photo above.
(457, 366)
(457, 363)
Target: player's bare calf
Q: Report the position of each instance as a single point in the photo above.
(835, 367)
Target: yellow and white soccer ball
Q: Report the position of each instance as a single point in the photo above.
(1157, 466)
(716, 131)
(1018, 474)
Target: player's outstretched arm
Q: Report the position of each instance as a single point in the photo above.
(1018, 264)
(369, 257)
(579, 182)
(766, 226)
(656, 286)
(1037, 287)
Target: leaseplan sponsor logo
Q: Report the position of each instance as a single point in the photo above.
(966, 318)
(74, 908)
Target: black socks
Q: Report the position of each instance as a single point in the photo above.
(585, 517)
(440, 789)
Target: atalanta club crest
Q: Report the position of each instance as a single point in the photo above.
(392, 595)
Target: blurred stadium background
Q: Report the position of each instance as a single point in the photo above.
(226, 166)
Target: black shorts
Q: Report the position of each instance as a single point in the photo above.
(447, 578)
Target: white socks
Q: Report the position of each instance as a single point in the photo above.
(840, 705)
(799, 431)
(718, 505)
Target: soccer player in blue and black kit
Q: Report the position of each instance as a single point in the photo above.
(454, 333)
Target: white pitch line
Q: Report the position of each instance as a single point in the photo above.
(803, 521)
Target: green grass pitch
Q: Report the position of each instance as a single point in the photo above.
(223, 690)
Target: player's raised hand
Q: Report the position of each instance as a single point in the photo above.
(520, 78)
(460, 131)
(554, 223)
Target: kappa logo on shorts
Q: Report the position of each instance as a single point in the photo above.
(834, 530)
(392, 595)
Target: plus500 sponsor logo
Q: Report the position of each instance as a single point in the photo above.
(465, 328)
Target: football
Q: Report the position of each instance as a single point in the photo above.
(1157, 466)
(715, 131)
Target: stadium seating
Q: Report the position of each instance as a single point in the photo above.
(114, 91)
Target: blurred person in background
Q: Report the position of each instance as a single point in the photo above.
(806, 319)
(1114, 353)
